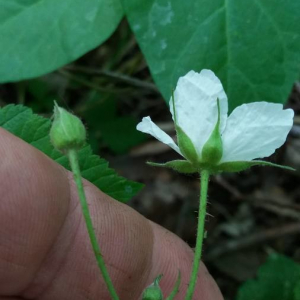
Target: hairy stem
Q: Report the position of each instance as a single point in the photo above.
(200, 234)
(73, 159)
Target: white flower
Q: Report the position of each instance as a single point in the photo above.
(253, 130)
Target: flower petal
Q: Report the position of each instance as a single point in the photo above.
(196, 109)
(255, 130)
(147, 126)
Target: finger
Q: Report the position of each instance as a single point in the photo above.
(171, 254)
(44, 248)
(31, 211)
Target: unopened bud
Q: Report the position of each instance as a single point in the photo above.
(67, 131)
(153, 291)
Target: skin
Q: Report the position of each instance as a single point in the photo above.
(44, 247)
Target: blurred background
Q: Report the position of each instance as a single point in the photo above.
(250, 214)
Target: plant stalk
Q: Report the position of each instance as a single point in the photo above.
(204, 175)
(73, 159)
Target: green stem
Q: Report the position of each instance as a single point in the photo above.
(73, 159)
(200, 234)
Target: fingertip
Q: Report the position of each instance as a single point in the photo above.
(171, 254)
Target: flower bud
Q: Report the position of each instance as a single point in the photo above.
(67, 131)
(153, 291)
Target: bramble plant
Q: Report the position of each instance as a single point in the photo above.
(277, 279)
(253, 48)
(213, 143)
(68, 135)
(34, 129)
(208, 140)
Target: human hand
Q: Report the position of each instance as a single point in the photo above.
(45, 252)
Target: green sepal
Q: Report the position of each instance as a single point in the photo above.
(186, 146)
(176, 288)
(212, 150)
(238, 166)
(153, 291)
(181, 166)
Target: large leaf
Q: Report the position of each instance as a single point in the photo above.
(38, 36)
(34, 130)
(277, 279)
(297, 291)
(253, 46)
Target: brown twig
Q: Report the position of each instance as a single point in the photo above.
(253, 239)
(114, 75)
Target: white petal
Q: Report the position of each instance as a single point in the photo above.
(255, 130)
(149, 127)
(196, 105)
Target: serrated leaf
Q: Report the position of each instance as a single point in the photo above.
(181, 166)
(253, 46)
(276, 280)
(34, 129)
(40, 36)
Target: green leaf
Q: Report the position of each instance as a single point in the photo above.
(181, 166)
(253, 46)
(238, 166)
(276, 280)
(40, 36)
(34, 129)
(297, 291)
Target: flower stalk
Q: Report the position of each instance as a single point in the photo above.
(68, 135)
(73, 160)
(204, 177)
